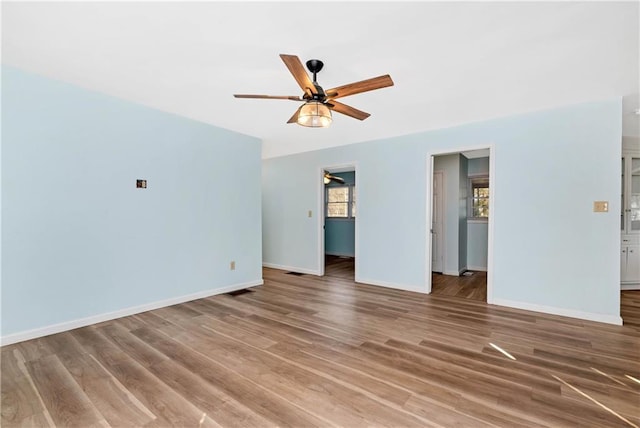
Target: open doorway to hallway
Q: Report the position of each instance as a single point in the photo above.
(460, 213)
(339, 225)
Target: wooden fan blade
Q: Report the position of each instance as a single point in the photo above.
(296, 68)
(362, 86)
(348, 110)
(269, 97)
(294, 118)
(328, 176)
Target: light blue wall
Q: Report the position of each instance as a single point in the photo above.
(80, 240)
(340, 234)
(477, 245)
(478, 232)
(479, 166)
(568, 256)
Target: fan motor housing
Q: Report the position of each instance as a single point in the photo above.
(314, 66)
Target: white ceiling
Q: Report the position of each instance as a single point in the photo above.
(452, 62)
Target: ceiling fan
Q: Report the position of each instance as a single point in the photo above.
(328, 178)
(318, 103)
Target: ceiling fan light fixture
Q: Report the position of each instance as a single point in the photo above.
(314, 114)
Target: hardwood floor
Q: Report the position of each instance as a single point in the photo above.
(472, 287)
(305, 351)
(339, 267)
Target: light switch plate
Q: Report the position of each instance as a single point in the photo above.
(600, 206)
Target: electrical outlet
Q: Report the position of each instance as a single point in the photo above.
(232, 265)
(310, 214)
(600, 206)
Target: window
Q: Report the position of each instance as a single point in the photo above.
(341, 202)
(479, 198)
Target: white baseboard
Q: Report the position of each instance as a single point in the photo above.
(291, 269)
(452, 272)
(391, 285)
(94, 319)
(630, 287)
(477, 268)
(340, 254)
(590, 316)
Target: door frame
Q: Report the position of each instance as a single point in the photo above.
(342, 167)
(429, 178)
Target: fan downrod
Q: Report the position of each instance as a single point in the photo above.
(314, 66)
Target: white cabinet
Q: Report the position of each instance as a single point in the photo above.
(629, 265)
(632, 271)
(630, 220)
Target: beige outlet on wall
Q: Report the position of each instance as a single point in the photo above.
(232, 265)
(600, 206)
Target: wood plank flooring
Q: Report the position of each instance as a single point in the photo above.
(340, 267)
(472, 287)
(304, 351)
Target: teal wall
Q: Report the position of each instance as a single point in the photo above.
(551, 251)
(340, 238)
(79, 240)
(340, 234)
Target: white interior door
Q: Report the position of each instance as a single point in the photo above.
(437, 224)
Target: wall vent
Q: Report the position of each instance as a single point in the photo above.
(239, 292)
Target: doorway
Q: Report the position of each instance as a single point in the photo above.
(338, 225)
(460, 199)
